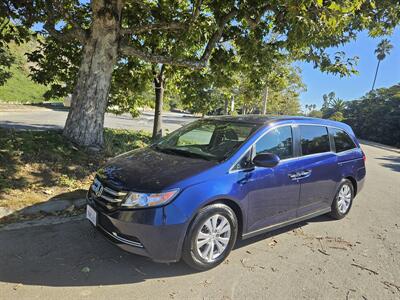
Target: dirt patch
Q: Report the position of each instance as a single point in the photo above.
(38, 166)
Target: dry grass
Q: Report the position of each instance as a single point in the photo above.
(36, 166)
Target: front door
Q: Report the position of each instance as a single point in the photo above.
(273, 195)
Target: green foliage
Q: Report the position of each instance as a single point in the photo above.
(333, 107)
(19, 87)
(55, 65)
(231, 76)
(376, 116)
(315, 114)
(249, 45)
(130, 87)
(337, 116)
(9, 32)
(384, 48)
(6, 60)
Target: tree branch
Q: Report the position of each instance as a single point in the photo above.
(253, 22)
(150, 27)
(77, 32)
(171, 26)
(160, 59)
(218, 34)
(65, 36)
(192, 63)
(196, 10)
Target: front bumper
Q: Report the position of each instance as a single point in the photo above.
(157, 233)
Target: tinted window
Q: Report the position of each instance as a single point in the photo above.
(314, 139)
(342, 140)
(278, 141)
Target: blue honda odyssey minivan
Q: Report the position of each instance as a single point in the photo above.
(192, 194)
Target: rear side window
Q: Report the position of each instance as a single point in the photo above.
(314, 139)
(278, 141)
(342, 140)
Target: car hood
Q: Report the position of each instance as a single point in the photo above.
(148, 170)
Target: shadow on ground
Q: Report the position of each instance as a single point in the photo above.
(24, 126)
(59, 255)
(391, 162)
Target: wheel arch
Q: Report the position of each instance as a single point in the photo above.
(231, 204)
(353, 182)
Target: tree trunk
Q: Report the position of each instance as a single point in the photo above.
(232, 104)
(226, 107)
(85, 121)
(376, 73)
(265, 100)
(159, 82)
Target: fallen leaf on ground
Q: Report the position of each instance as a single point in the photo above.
(273, 243)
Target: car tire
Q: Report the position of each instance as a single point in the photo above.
(343, 201)
(207, 243)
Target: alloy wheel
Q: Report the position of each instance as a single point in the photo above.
(213, 237)
(344, 198)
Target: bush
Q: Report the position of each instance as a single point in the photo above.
(376, 116)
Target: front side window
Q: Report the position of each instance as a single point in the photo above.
(314, 139)
(342, 140)
(208, 139)
(278, 141)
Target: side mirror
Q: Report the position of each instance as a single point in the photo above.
(266, 160)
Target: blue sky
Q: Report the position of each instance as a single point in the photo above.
(349, 88)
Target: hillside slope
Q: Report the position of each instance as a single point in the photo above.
(20, 88)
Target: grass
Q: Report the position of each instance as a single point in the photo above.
(36, 166)
(20, 88)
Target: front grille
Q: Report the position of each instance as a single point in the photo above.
(106, 196)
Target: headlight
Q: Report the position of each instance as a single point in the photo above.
(138, 200)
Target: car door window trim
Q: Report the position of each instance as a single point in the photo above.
(296, 144)
(232, 170)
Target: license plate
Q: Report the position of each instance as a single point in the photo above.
(91, 214)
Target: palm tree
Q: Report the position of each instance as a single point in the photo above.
(383, 49)
(338, 105)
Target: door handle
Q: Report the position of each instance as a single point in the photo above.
(294, 176)
(304, 174)
(300, 174)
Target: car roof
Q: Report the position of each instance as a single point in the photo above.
(261, 119)
(267, 119)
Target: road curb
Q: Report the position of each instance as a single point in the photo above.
(48, 220)
(55, 206)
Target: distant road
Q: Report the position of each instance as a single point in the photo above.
(39, 118)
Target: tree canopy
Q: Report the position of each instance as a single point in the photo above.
(109, 33)
(376, 116)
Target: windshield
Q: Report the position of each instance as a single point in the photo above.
(207, 139)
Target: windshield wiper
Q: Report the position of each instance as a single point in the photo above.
(182, 152)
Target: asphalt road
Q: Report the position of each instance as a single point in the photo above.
(355, 258)
(39, 118)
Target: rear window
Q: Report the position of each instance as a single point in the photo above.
(314, 139)
(343, 141)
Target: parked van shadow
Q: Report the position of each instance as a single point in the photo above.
(75, 254)
(257, 238)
